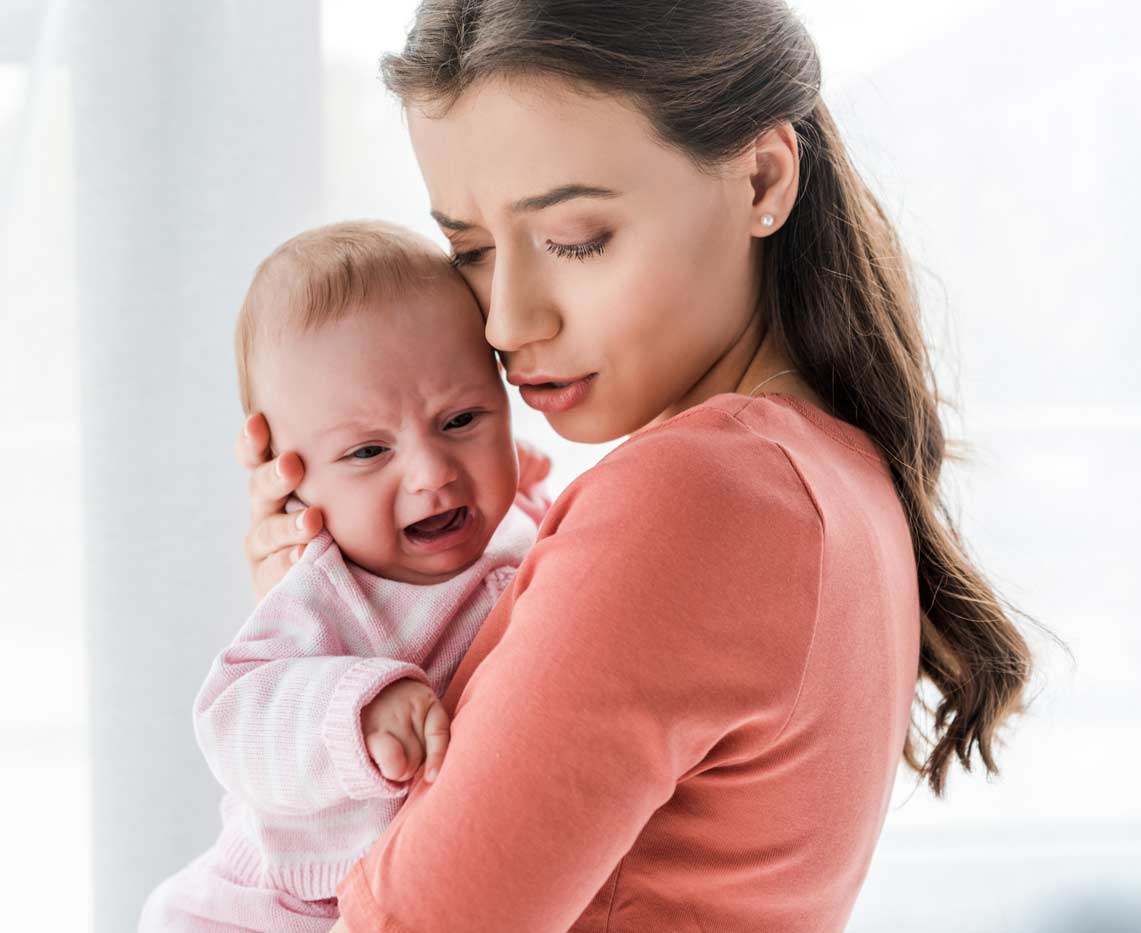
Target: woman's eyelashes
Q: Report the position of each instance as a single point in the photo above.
(580, 251)
(468, 257)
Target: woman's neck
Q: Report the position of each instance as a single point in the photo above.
(753, 359)
(771, 370)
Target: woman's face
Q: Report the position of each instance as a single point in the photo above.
(595, 252)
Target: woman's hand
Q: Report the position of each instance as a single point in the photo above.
(276, 540)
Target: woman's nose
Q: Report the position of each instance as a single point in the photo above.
(428, 469)
(519, 310)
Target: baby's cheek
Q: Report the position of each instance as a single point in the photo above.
(360, 522)
(504, 482)
(368, 544)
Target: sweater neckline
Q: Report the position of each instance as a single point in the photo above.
(732, 403)
(843, 431)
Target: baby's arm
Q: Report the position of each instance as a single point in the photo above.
(279, 716)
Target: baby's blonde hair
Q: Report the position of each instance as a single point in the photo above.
(325, 274)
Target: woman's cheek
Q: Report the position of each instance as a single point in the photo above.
(479, 281)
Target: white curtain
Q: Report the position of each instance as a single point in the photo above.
(152, 153)
(195, 151)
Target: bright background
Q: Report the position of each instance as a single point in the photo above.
(151, 154)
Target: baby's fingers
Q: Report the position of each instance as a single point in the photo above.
(391, 757)
(437, 732)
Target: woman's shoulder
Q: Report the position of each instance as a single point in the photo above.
(733, 421)
(723, 461)
(700, 515)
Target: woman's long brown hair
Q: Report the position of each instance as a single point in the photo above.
(837, 289)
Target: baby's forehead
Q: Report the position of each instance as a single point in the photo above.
(390, 406)
(420, 360)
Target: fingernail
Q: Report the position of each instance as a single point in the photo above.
(295, 555)
(300, 520)
(431, 775)
(277, 468)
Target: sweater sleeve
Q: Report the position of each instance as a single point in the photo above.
(278, 718)
(613, 678)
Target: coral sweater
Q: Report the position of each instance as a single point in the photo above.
(686, 711)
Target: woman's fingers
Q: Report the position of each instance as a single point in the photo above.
(252, 445)
(271, 479)
(272, 482)
(270, 570)
(276, 540)
(280, 530)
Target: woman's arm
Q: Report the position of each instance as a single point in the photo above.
(606, 683)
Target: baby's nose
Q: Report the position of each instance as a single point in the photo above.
(428, 470)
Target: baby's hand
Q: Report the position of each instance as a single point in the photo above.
(402, 725)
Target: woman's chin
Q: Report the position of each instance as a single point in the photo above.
(579, 433)
(588, 427)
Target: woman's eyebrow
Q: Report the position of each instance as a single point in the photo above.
(559, 195)
(447, 223)
(536, 202)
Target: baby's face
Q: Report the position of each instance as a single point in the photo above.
(403, 424)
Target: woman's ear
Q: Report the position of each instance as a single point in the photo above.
(775, 174)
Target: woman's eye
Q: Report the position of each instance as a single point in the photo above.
(579, 250)
(468, 257)
(368, 452)
(462, 421)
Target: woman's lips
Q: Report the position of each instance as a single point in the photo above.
(552, 399)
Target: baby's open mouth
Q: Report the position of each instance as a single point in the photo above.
(436, 525)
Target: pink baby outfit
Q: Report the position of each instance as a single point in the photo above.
(278, 720)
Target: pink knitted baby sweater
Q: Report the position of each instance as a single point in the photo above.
(278, 717)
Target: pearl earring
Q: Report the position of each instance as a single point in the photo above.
(767, 220)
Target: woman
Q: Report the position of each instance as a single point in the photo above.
(687, 711)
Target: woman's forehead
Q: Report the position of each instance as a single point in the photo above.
(506, 143)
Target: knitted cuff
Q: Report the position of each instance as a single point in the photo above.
(341, 730)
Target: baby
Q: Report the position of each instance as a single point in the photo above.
(365, 351)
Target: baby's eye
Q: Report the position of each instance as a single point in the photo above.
(368, 452)
(462, 421)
